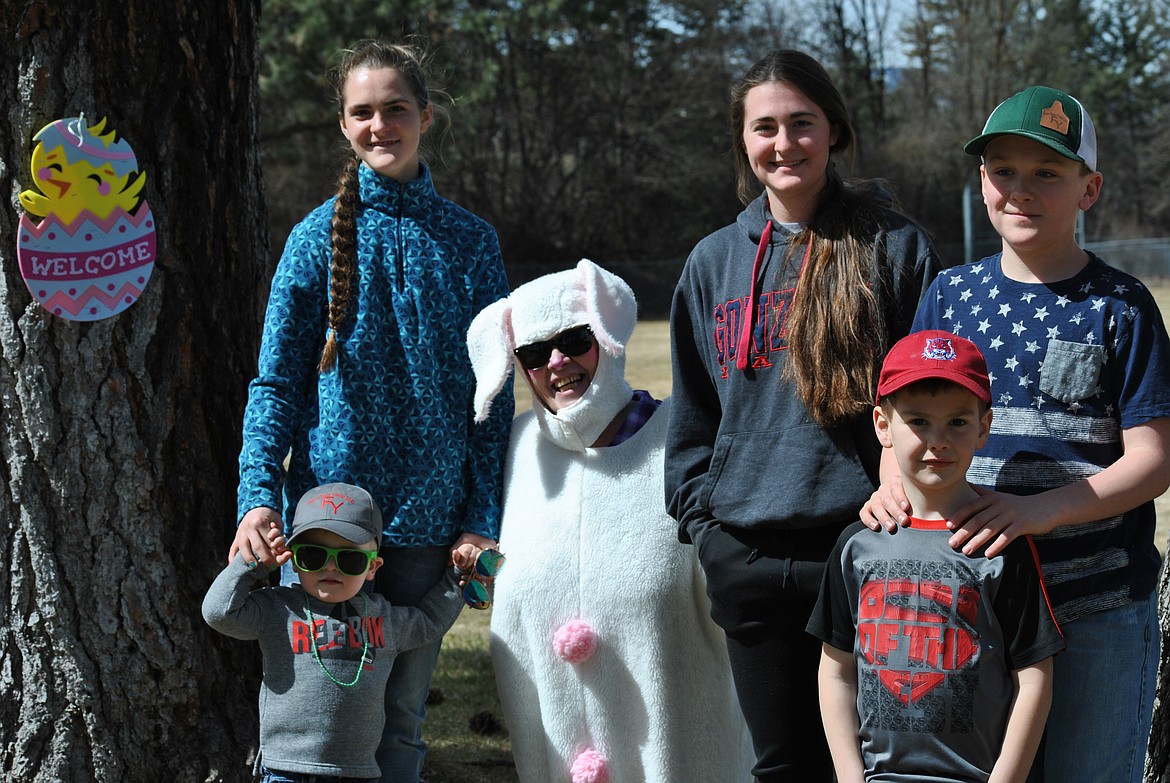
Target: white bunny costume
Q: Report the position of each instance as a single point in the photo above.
(608, 664)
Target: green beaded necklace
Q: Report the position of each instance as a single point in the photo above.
(365, 645)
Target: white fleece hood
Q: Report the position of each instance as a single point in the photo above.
(541, 309)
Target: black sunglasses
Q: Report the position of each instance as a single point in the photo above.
(571, 342)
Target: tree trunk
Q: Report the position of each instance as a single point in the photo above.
(120, 435)
(1158, 763)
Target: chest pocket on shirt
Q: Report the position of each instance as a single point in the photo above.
(1071, 370)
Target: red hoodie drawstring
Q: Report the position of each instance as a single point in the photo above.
(744, 347)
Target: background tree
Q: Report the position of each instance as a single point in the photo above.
(857, 37)
(565, 114)
(594, 102)
(1158, 762)
(1126, 82)
(120, 436)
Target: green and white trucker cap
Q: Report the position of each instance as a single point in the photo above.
(1043, 114)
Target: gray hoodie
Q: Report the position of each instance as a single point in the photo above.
(741, 448)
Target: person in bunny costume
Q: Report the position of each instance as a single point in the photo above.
(608, 664)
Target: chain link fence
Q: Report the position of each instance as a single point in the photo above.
(1146, 259)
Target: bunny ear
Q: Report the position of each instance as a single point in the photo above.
(490, 343)
(610, 305)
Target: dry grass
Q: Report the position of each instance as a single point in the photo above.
(459, 755)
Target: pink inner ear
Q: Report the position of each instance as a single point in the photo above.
(509, 332)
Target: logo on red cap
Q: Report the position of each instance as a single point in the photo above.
(939, 348)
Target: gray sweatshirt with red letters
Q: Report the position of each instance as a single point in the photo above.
(308, 722)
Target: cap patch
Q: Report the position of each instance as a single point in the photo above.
(939, 349)
(1054, 118)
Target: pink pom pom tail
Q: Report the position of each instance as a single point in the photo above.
(590, 767)
(575, 641)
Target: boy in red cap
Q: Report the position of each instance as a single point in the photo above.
(936, 664)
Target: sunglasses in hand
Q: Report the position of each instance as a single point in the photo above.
(475, 582)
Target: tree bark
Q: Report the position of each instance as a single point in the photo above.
(1158, 761)
(120, 435)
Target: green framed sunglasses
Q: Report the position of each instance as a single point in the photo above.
(311, 558)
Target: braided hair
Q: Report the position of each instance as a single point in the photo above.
(373, 54)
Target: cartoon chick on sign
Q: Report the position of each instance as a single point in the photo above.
(81, 170)
(93, 251)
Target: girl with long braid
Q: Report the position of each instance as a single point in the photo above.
(770, 450)
(363, 371)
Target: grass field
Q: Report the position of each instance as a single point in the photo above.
(459, 754)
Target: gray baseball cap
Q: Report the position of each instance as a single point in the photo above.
(343, 509)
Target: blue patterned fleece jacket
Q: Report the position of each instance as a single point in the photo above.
(394, 416)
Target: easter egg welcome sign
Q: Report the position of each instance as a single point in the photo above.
(91, 254)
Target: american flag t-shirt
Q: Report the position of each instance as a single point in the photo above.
(1071, 364)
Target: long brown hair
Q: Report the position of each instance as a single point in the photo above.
(837, 328)
(373, 54)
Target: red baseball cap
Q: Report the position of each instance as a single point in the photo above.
(934, 354)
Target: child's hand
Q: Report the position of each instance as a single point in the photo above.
(278, 545)
(994, 519)
(463, 556)
(466, 548)
(886, 508)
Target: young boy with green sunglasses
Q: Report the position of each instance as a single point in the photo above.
(328, 645)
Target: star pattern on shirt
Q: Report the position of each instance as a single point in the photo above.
(1017, 326)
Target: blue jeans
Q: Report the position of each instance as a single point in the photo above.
(404, 579)
(273, 776)
(1103, 697)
